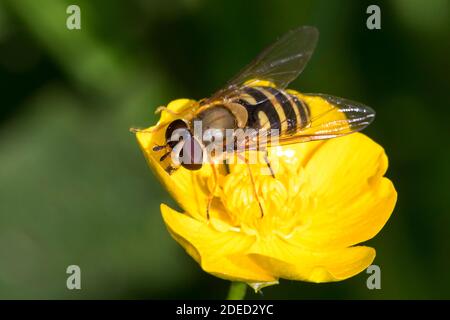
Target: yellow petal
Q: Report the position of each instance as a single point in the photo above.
(291, 262)
(220, 253)
(353, 202)
(353, 221)
(345, 166)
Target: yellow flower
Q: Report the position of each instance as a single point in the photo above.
(327, 197)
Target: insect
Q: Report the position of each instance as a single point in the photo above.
(245, 103)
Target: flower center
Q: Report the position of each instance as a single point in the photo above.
(265, 205)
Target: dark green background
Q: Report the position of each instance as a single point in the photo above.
(74, 186)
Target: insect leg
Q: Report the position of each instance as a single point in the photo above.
(227, 167)
(254, 189)
(170, 170)
(211, 194)
(266, 159)
(253, 184)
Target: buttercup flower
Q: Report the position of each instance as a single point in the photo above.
(326, 197)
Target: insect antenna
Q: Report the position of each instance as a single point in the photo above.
(135, 130)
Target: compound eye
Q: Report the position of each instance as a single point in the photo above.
(174, 125)
(192, 167)
(192, 154)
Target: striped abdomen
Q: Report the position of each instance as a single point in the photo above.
(271, 108)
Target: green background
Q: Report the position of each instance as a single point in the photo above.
(74, 186)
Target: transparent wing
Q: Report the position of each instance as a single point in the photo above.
(280, 63)
(330, 117)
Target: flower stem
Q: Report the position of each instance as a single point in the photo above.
(237, 291)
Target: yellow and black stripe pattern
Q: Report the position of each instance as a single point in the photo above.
(271, 108)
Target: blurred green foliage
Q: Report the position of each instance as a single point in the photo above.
(75, 189)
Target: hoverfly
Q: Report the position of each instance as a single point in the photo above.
(245, 103)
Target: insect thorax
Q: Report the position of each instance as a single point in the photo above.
(217, 117)
(216, 125)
